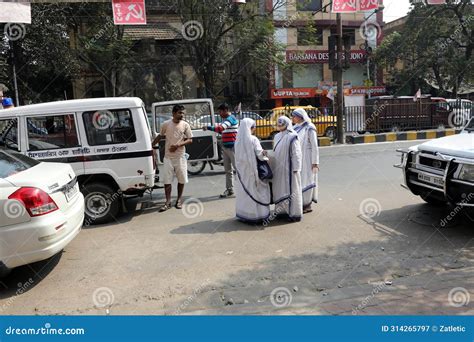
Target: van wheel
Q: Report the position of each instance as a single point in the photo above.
(102, 203)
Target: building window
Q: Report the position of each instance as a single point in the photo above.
(309, 36)
(52, 132)
(307, 75)
(8, 133)
(109, 127)
(308, 5)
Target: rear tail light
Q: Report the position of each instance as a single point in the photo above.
(36, 201)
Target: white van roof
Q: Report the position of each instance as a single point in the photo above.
(73, 105)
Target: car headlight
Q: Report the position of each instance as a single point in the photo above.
(467, 173)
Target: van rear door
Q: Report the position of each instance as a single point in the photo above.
(199, 113)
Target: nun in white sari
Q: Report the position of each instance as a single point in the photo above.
(310, 151)
(287, 192)
(252, 194)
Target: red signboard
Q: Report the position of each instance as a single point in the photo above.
(129, 12)
(344, 6)
(437, 2)
(320, 56)
(291, 93)
(368, 5)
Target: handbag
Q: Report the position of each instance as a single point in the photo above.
(264, 170)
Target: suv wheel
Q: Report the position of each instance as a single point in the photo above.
(102, 203)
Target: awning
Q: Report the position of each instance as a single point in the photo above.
(158, 31)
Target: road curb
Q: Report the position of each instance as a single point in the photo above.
(400, 136)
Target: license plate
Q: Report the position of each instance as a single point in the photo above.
(431, 179)
(71, 192)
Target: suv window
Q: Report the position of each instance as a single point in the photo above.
(8, 133)
(105, 127)
(52, 132)
(11, 163)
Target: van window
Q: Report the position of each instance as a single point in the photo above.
(8, 133)
(52, 132)
(109, 127)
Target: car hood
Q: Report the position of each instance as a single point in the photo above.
(48, 177)
(460, 145)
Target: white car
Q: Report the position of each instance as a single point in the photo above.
(107, 142)
(41, 209)
(441, 171)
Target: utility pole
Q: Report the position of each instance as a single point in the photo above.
(339, 80)
(13, 63)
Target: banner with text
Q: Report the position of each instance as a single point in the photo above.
(321, 56)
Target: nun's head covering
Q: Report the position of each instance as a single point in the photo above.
(285, 121)
(301, 113)
(245, 130)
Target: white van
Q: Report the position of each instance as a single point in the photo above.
(107, 141)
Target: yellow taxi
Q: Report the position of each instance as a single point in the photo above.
(325, 124)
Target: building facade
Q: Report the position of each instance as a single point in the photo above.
(304, 27)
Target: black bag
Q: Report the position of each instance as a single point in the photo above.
(264, 170)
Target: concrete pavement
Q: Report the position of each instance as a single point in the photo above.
(370, 247)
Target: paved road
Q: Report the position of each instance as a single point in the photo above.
(335, 261)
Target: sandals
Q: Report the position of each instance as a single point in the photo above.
(178, 205)
(164, 208)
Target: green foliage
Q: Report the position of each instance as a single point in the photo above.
(435, 48)
(44, 61)
(232, 39)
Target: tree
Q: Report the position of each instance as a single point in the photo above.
(43, 59)
(223, 40)
(102, 46)
(435, 47)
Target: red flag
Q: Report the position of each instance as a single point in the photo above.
(129, 12)
(344, 6)
(368, 5)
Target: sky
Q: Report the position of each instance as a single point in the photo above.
(395, 9)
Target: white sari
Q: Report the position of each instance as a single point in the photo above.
(287, 192)
(310, 151)
(252, 194)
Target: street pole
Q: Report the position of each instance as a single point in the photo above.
(15, 83)
(340, 86)
(367, 54)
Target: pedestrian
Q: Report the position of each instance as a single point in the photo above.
(228, 129)
(177, 134)
(7, 103)
(253, 195)
(286, 183)
(310, 152)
